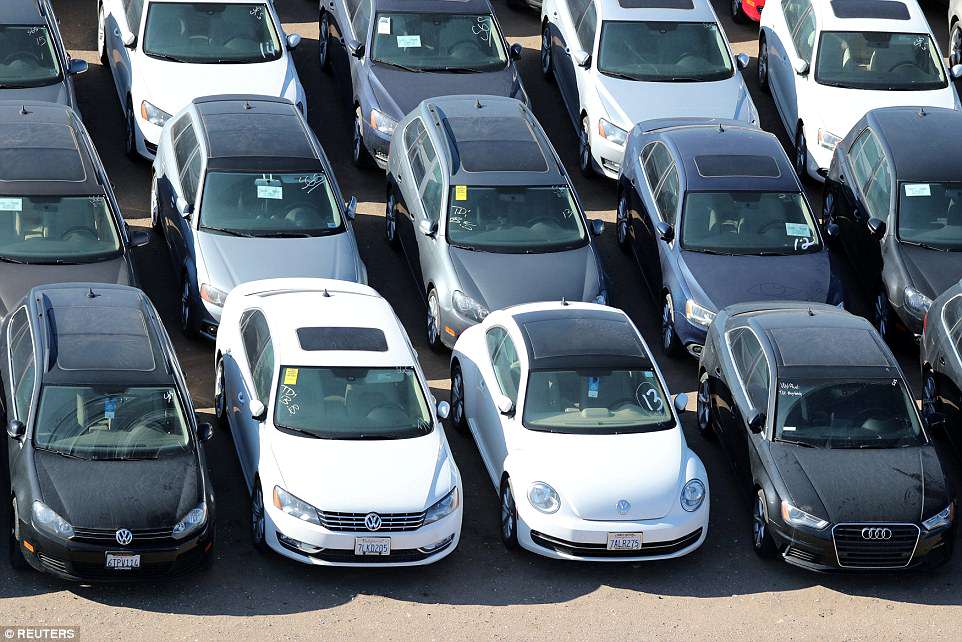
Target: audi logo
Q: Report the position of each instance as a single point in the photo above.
(877, 533)
(372, 521)
(124, 536)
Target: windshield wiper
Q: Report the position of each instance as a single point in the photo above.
(224, 230)
(282, 235)
(164, 56)
(62, 453)
(715, 252)
(399, 66)
(927, 246)
(802, 444)
(7, 259)
(620, 75)
(453, 69)
(298, 431)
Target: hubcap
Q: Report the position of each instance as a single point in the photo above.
(956, 49)
(185, 306)
(457, 399)
(257, 516)
(130, 130)
(763, 64)
(545, 52)
(928, 396)
(881, 314)
(800, 153)
(584, 149)
(358, 136)
(704, 407)
(667, 326)
(154, 219)
(219, 405)
(391, 221)
(507, 513)
(758, 523)
(622, 220)
(433, 315)
(322, 44)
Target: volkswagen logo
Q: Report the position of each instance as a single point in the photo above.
(877, 533)
(372, 521)
(623, 506)
(124, 536)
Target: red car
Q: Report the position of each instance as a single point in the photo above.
(747, 10)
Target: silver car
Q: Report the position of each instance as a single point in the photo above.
(243, 191)
(485, 213)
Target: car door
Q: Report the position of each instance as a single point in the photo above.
(755, 374)
(184, 179)
(564, 42)
(872, 198)
(780, 50)
(423, 203)
(666, 198)
(127, 21)
(257, 373)
(501, 375)
(585, 32)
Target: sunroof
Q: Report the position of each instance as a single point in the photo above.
(591, 334)
(40, 152)
(256, 134)
(720, 165)
(362, 339)
(881, 9)
(496, 144)
(656, 4)
(820, 347)
(101, 338)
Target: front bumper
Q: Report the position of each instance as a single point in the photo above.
(452, 325)
(606, 155)
(690, 335)
(377, 144)
(147, 137)
(819, 158)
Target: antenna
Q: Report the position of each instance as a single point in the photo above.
(23, 110)
(91, 294)
(811, 312)
(564, 302)
(326, 294)
(922, 112)
(247, 105)
(477, 103)
(721, 128)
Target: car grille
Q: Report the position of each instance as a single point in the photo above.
(109, 536)
(855, 551)
(648, 549)
(354, 522)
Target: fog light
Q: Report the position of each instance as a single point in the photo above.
(303, 547)
(611, 165)
(436, 546)
(694, 349)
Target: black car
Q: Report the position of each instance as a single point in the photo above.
(813, 410)
(941, 364)
(59, 219)
(107, 475)
(895, 194)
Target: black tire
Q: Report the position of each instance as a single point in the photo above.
(188, 324)
(14, 552)
(762, 542)
(738, 12)
(762, 65)
(102, 38)
(155, 206)
(800, 158)
(458, 419)
(258, 519)
(669, 338)
(547, 62)
(585, 163)
(703, 413)
(390, 219)
(622, 221)
(508, 517)
(434, 326)
(931, 405)
(130, 133)
(220, 393)
(882, 315)
(359, 154)
(324, 41)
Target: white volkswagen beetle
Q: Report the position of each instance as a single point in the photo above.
(573, 422)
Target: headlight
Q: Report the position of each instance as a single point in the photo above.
(295, 507)
(468, 307)
(602, 298)
(212, 295)
(697, 314)
(611, 132)
(544, 498)
(153, 115)
(382, 122)
(798, 517)
(942, 519)
(692, 495)
(916, 302)
(828, 140)
(191, 522)
(443, 507)
(45, 518)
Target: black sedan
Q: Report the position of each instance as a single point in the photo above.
(813, 410)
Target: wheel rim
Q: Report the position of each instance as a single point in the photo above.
(928, 395)
(881, 314)
(622, 220)
(433, 316)
(130, 130)
(457, 398)
(219, 399)
(545, 52)
(584, 149)
(257, 516)
(390, 222)
(358, 135)
(763, 64)
(667, 326)
(154, 214)
(185, 306)
(736, 7)
(801, 153)
(507, 513)
(956, 47)
(828, 206)
(758, 524)
(704, 407)
(322, 37)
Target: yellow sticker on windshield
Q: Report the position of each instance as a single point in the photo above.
(290, 377)
(460, 192)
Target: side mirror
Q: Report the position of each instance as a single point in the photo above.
(139, 238)
(183, 207)
(583, 59)
(800, 67)
(665, 231)
(357, 49)
(955, 72)
(876, 228)
(16, 429)
(742, 60)
(936, 420)
(597, 226)
(516, 50)
(76, 66)
(444, 409)
(350, 210)
(129, 39)
(428, 228)
(831, 230)
(681, 402)
(756, 423)
(293, 40)
(205, 431)
(505, 405)
(258, 410)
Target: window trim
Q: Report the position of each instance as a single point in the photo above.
(873, 175)
(739, 376)
(507, 336)
(33, 352)
(948, 331)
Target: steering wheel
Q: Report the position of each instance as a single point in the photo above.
(79, 231)
(764, 228)
(904, 63)
(868, 413)
(547, 220)
(155, 420)
(465, 44)
(20, 55)
(384, 406)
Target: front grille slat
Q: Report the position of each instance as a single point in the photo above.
(354, 522)
(855, 551)
(109, 535)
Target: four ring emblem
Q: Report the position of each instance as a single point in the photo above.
(623, 506)
(124, 536)
(372, 521)
(877, 533)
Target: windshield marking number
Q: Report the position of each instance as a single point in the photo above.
(481, 30)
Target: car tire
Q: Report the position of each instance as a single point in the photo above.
(220, 393)
(458, 418)
(738, 12)
(324, 41)
(762, 542)
(102, 38)
(763, 65)
(433, 324)
(547, 62)
(800, 158)
(390, 219)
(508, 516)
(130, 133)
(621, 221)
(703, 412)
(359, 154)
(185, 313)
(155, 206)
(882, 315)
(258, 519)
(669, 338)
(930, 395)
(584, 150)
(955, 45)
(14, 552)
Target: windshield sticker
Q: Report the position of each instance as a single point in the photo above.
(460, 192)
(405, 42)
(920, 42)
(273, 192)
(804, 243)
(110, 407)
(481, 30)
(789, 389)
(593, 384)
(788, 428)
(309, 182)
(11, 204)
(257, 12)
(797, 229)
(918, 189)
(384, 25)
(290, 377)
(459, 217)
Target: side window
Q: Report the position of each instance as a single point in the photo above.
(804, 34)
(576, 9)
(872, 173)
(190, 176)
(361, 19)
(259, 351)
(184, 146)
(752, 366)
(656, 160)
(20, 345)
(411, 133)
(178, 126)
(413, 136)
(504, 360)
(666, 196)
(792, 10)
(433, 193)
(586, 28)
(952, 320)
(134, 9)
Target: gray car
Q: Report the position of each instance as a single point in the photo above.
(242, 191)
(33, 62)
(485, 213)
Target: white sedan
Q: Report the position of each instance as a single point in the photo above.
(335, 427)
(573, 422)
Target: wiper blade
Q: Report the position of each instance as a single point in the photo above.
(62, 453)
(926, 246)
(168, 57)
(298, 431)
(282, 235)
(7, 259)
(621, 76)
(224, 230)
(455, 69)
(399, 66)
(802, 444)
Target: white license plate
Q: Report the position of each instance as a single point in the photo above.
(372, 545)
(122, 561)
(624, 541)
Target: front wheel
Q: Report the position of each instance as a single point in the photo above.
(390, 219)
(154, 206)
(584, 150)
(955, 45)
(762, 541)
(220, 393)
(101, 38)
(458, 418)
(703, 408)
(930, 395)
(881, 313)
(15, 554)
(187, 324)
(669, 339)
(509, 517)
(130, 133)
(547, 63)
(801, 153)
(258, 519)
(434, 321)
(359, 154)
(622, 222)
(763, 65)
(324, 42)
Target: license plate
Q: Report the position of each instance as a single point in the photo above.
(122, 561)
(624, 541)
(372, 545)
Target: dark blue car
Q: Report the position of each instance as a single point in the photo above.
(714, 214)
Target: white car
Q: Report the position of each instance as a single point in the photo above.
(620, 62)
(572, 419)
(334, 425)
(163, 54)
(955, 32)
(828, 62)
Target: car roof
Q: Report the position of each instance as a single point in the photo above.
(902, 16)
(20, 12)
(434, 6)
(44, 151)
(493, 140)
(917, 143)
(669, 10)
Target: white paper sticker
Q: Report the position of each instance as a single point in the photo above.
(918, 189)
(384, 25)
(11, 204)
(797, 229)
(408, 41)
(270, 191)
(788, 428)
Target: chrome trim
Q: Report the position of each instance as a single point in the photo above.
(918, 536)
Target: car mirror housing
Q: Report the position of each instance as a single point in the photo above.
(597, 226)
(516, 50)
(139, 238)
(831, 230)
(876, 227)
(16, 429)
(428, 228)
(444, 409)
(356, 49)
(293, 40)
(955, 72)
(205, 431)
(350, 209)
(183, 207)
(665, 232)
(258, 410)
(505, 405)
(742, 60)
(681, 402)
(756, 423)
(582, 59)
(935, 420)
(129, 39)
(77, 66)
(801, 67)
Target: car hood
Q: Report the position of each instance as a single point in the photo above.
(931, 272)
(799, 277)
(16, 279)
(867, 485)
(232, 260)
(592, 473)
(492, 278)
(357, 476)
(398, 92)
(153, 493)
(55, 93)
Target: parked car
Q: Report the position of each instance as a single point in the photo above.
(576, 431)
(242, 190)
(714, 215)
(108, 477)
(895, 196)
(163, 54)
(477, 197)
(620, 62)
(34, 65)
(389, 55)
(827, 62)
(744, 11)
(939, 352)
(334, 423)
(59, 218)
(955, 33)
(813, 410)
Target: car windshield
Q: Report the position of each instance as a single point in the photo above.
(839, 413)
(96, 422)
(873, 60)
(211, 32)
(930, 214)
(596, 401)
(748, 223)
(57, 229)
(351, 403)
(664, 51)
(27, 57)
(298, 204)
(515, 219)
(438, 42)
